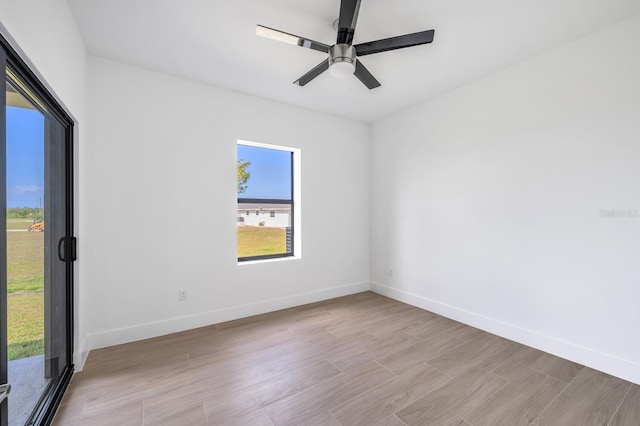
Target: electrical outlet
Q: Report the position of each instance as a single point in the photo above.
(182, 295)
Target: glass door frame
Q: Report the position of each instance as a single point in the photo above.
(49, 401)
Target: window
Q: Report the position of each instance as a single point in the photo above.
(265, 184)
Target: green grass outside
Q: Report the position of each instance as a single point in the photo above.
(260, 241)
(25, 315)
(25, 260)
(25, 288)
(19, 223)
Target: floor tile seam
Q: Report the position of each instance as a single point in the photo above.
(95, 410)
(408, 336)
(87, 395)
(421, 395)
(230, 350)
(334, 417)
(334, 366)
(330, 411)
(264, 406)
(436, 334)
(512, 343)
(364, 351)
(563, 359)
(353, 397)
(399, 419)
(201, 405)
(84, 403)
(603, 375)
(478, 364)
(595, 375)
(341, 373)
(442, 372)
(244, 387)
(114, 399)
(244, 413)
(390, 415)
(142, 387)
(458, 343)
(405, 325)
(408, 348)
(414, 336)
(436, 389)
(79, 416)
(613, 416)
(394, 374)
(547, 375)
(492, 371)
(466, 413)
(289, 371)
(544, 410)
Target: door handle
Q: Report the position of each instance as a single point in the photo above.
(61, 254)
(4, 391)
(67, 249)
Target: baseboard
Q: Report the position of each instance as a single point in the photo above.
(79, 358)
(624, 369)
(174, 325)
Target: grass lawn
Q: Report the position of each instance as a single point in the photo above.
(19, 223)
(25, 261)
(25, 321)
(25, 301)
(260, 241)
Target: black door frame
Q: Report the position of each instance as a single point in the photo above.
(48, 403)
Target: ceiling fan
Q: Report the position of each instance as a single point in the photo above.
(344, 57)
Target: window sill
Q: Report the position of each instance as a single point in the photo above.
(277, 259)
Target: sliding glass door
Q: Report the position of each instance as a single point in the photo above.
(36, 245)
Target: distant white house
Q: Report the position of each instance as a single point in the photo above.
(268, 215)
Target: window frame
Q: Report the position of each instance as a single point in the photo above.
(10, 60)
(294, 153)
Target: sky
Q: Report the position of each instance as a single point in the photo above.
(270, 172)
(25, 157)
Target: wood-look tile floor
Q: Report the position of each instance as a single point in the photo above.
(356, 360)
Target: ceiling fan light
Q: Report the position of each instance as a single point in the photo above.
(342, 69)
(342, 60)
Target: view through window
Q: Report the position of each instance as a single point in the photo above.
(265, 201)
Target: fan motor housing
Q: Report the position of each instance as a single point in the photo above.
(342, 52)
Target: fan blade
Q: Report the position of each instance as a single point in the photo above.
(347, 21)
(278, 35)
(365, 76)
(316, 71)
(393, 43)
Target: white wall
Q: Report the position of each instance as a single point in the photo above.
(46, 32)
(507, 176)
(162, 162)
(45, 35)
(504, 180)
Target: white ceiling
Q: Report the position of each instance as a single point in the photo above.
(214, 42)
